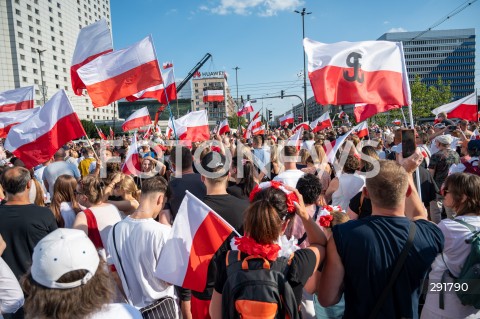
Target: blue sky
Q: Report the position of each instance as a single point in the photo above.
(264, 38)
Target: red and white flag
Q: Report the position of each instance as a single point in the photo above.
(247, 108)
(10, 119)
(287, 119)
(397, 122)
(342, 115)
(193, 127)
(112, 134)
(52, 126)
(197, 234)
(357, 72)
(224, 127)
(93, 41)
(259, 130)
(331, 148)
(138, 119)
(122, 73)
(363, 111)
(296, 139)
(254, 124)
(475, 135)
(132, 165)
(466, 108)
(164, 93)
(323, 122)
(361, 130)
(17, 100)
(101, 134)
(148, 133)
(305, 126)
(213, 96)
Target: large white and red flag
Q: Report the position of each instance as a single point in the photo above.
(93, 41)
(224, 127)
(304, 125)
(323, 122)
(121, 73)
(357, 72)
(40, 136)
(246, 108)
(331, 148)
(254, 124)
(213, 96)
(465, 108)
(364, 111)
(296, 139)
(397, 122)
(17, 99)
(361, 130)
(132, 165)
(10, 119)
(137, 119)
(164, 93)
(193, 127)
(197, 234)
(287, 119)
(259, 130)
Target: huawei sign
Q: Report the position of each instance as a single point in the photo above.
(197, 74)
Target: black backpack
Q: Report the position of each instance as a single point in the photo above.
(257, 288)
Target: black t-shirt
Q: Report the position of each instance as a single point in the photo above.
(178, 186)
(361, 206)
(22, 227)
(237, 191)
(369, 248)
(301, 268)
(231, 209)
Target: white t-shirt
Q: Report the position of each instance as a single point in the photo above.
(117, 311)
(349, 185)
(11, 295)
(68, 214)
(289, 177)
(139, 243)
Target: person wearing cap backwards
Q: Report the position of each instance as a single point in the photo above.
(67, 280)
(473, 150)
(215, 172)
(439, 166)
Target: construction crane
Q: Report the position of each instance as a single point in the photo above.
(185, 81)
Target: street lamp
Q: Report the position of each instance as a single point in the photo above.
(43, 88)
(236, 83)
(303, 13)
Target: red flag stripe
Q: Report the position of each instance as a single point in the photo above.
(363, 112)
(196, 133)
(4, 130)
(77, 84)
(24, 105)
(136, 123)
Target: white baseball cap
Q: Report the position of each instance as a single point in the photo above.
(62, 251)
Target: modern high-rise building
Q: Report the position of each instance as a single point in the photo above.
(37, 40)
(449, 54)
(217, 80)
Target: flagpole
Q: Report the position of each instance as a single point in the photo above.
(91, 145)
(404, 119)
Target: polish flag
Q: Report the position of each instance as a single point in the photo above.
(224, 127)
(132, 165)
(259, 130)
(296, 139)
(52, 126)
(321, 123)
(122, 73)
(397, 122)
(17, 100)
(138, 119)
(193, 127)
(112, 134)
(10, 119)
(254, 124)
(357, 72)
(147, 133)
(331, 148)
(304, 125)
(196, 236)
(466, 108)
(213, 96)
(159, 92)
(475, 135)
(93, 41)
(101, 134)
(287, 119)
(363, 111)
(361, 130)
(343, 115)
(247, 108)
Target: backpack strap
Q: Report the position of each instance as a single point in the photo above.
(472, 228)
(396, 271)
(93, 232)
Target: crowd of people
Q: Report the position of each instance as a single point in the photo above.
(351, 238)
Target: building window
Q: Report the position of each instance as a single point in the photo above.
(63, 51)
(60, 23)
(17, 12)
(59, 15)
(58, 5)
(20, 35)
(35, 71)
(39, 32)
(66, 88)
(88, 116)
(39, 102)
(55, 67)
(63, 61)
(37, 11)
(34, 60)
(51, 19)
(61, 42)
(53, 38)
(54, 48)
(61, 33)
(20, 45)
(30, 29)
(55, 58)
(19, 23)
(32, 39)
(37, 21)
(24, 68)
(52, 29)
(30, 18)
(50, 9)
(39, 42)
(24, 78)
(35, 81)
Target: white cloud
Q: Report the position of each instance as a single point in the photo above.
(264, 8)
(400, 29)
(386, 22)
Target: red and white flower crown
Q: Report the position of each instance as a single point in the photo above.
(291, 196)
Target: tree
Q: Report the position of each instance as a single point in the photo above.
(233, 121)
(425, 99)
(89, 128)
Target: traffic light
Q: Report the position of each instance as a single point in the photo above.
(269, 115)
(248, 97)
(282, 93)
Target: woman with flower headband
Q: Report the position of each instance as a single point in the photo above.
(272, 208)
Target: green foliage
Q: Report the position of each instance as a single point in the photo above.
(233, 121)
(425, 99)
(89, 128)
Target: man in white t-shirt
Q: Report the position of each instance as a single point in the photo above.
(291, 175)
(135, 245)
